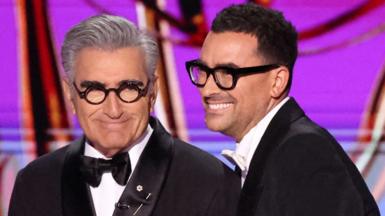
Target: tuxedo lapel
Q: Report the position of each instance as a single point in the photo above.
(253, 187)
(145, 184)
(76, 195)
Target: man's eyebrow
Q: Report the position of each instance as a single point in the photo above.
(88, 83)
(226, 65)
(135, 81)
(221, 65)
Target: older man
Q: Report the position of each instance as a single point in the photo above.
(126, 163)
(288, 165)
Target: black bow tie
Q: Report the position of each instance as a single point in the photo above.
(92, 169)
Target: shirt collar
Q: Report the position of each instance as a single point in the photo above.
(134, 150)
(249, 143)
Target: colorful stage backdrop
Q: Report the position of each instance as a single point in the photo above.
(339, 77)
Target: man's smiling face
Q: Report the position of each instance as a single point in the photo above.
(234, 112)
(112, 125)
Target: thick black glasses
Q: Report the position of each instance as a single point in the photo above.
(128, 92)
(224, 76)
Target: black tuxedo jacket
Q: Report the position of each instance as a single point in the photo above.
(171, 178)
(298, 169)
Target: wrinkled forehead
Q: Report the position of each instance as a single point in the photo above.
(110, 67)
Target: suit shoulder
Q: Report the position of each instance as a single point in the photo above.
(199, 169)
(305, 144)
(305, 135)
(39, 182)
(195, 158)
(194, 154)
(308, 148)
(46, 164)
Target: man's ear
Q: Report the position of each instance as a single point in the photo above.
(154, 92)
(68, 93)
(281, 80)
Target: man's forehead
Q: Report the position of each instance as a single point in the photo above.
(230, 38)
(110, 67)
(228, 48)
(91, 58)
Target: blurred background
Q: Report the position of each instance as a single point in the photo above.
(339, 78)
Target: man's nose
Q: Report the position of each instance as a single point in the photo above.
(210, 87)
(113, 106)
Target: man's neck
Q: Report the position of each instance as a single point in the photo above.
(272, 106)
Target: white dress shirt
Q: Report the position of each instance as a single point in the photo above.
(108, 192)
(246, 147)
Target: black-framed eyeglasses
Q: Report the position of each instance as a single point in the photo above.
(224, 76)
(128, 91)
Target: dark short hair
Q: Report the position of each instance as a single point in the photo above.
(277, 37)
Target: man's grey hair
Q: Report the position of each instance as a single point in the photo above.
(109, 33)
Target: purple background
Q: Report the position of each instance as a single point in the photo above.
(333, 87)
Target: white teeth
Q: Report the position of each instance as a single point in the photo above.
(219, 106)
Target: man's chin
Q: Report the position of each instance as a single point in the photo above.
(214, 124)
(114, 141)
(109, 149)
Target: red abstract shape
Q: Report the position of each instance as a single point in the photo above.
(340, 20)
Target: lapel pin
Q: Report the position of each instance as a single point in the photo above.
(139, 188)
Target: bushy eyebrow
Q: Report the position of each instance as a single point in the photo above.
(89, 83)
(135, 82)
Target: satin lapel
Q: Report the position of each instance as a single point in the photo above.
(143, 189)
(253, 187)
(76, 195)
